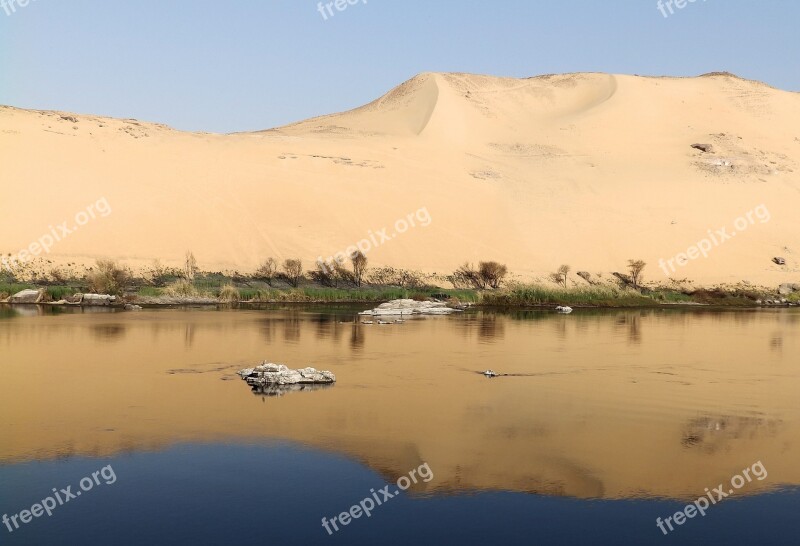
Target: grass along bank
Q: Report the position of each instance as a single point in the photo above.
(482, 285)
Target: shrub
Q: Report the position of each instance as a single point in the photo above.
(293, 271)
(181, 288)
(466, 276)
(267, 271)
(107, 278)
(492, 273)
(323, 275)
(636, 267)
(229, 293)
(359, 261)
(189, 266)
(389, 276)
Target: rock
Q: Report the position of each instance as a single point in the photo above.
(707, 148)
(98, 299)
(564, 309)
(410, 307)
(27, 296)
(624, 279)
(778, 260)
(786, 289)
(75, 298)
(131, 307)
(280, 375)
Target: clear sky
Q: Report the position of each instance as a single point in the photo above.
(239, 65)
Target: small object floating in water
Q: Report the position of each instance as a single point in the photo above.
(490, 373)
(367, 322)
(384, 322)
(564, 309)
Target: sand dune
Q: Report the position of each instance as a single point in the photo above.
(584, 169)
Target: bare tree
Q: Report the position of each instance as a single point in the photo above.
(268, 271)
(189, 266)
(293, 269)
(492, 273)
(561, 275)
(636, 267)
(359, 261)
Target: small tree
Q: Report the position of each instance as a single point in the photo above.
(189, 266)
(636, 267)
(293, 269)
(268, 271)
(492, 273)
(561, 275)
(359, 261)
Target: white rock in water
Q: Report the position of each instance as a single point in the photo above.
(410, 307)
(564, 309)
(27, 296)
(278, 374)
(98, 299)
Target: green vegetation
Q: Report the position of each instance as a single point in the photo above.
(531, 294)
(360, 295)
(57, 293)
(150, 292)
(286, 282)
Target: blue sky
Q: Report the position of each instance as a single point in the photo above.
(239, 65)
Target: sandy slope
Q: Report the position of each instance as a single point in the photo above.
(584, 169)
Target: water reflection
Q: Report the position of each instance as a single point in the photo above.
(612, 404)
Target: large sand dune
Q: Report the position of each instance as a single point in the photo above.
(584, 169)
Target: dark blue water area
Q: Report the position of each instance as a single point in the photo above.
(278, 494)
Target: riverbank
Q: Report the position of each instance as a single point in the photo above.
(514, 296)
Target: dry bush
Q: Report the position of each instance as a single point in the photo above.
(108, 278)
(359, 261)
(492, 274)
(465, 277)
(635, 267)
(229, 293)
(189, 266)
(267, 271)
(293, 271)
(181, 288)
(323, 275)
(390, 276)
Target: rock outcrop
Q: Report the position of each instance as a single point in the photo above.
(410, 307)
(279, 376)
(788, 288)
(27, 296)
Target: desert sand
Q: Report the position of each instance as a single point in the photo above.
(583, 169)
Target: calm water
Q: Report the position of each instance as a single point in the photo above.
(609, 421)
